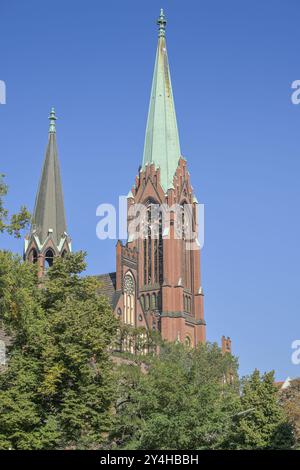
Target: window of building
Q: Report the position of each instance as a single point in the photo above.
(153, 247)
(155, 260)
(147, 302)
(153, 301)
(149, 277)
(33, 255)
(160, 252)
(49, 258)
(186, 221)
(159, 306)
(129, 299)
(145, 261)
(187, 303)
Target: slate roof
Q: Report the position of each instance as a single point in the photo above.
(108, 287)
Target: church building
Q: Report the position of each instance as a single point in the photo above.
(157, 282)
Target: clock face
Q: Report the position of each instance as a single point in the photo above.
(128, 284)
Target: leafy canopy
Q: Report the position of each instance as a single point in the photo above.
(183, 401)
(290, 400)
(57, 389)
(262, 423)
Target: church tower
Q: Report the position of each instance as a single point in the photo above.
(48, 236)
(157, 283)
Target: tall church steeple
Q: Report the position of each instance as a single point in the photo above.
(48, 234)
(162, 140)
(158, 283)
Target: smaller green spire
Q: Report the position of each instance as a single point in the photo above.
(52, 119)
(161, 24)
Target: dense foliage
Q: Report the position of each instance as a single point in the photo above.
(191, 399)
(56, 391)
(290, 400)
(60, 389)
(262, 423)
(181, 400)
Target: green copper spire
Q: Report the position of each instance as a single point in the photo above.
(161, 140)
(52, 119)
(49, 211)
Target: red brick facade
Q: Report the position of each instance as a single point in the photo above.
(166, 275)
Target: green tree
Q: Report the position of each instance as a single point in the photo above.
(16, 222)
(262, 423)
(181, 400)
(290, 400)
(58, 386)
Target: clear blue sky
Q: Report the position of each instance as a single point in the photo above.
(232, 65)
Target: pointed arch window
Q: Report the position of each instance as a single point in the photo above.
(49, 258)
(186, 221)
(153, 246)
(149, 277)
(33, 256)
(147, 247)
(129, 299)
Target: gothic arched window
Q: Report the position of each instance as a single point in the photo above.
(33, 255)
(186, 227)
(129, 299)
(153, 245)
(149, 254)
(160, 252)
(49, 258)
